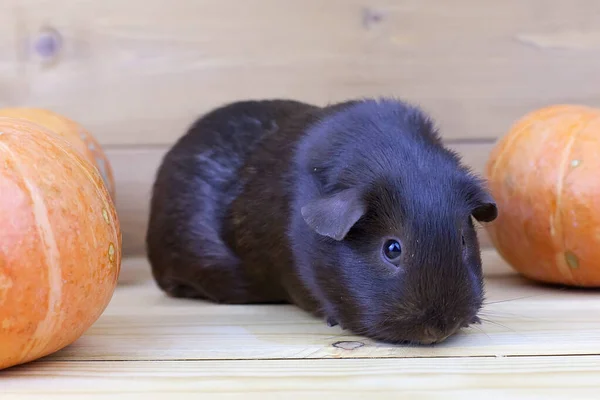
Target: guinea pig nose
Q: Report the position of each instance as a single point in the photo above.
(433, 335)
(426, 341)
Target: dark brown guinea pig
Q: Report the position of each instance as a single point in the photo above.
(355, 212)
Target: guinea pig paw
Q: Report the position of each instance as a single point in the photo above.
(331, 322)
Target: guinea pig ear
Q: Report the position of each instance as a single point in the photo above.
(482, 204)
(485, 209)
(334, 216)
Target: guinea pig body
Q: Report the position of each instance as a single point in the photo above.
(354, 212)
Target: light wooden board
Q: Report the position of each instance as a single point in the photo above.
(135, 168)
(138, 72)
(541, 345)
(522, 378)
(143, 324)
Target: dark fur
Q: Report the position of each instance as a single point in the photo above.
(281, 201)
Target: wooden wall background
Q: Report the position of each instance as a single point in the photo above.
(138, 72)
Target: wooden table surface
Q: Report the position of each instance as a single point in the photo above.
(539, 343)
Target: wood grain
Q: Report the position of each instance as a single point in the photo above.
(139, 72)
(522, 319)
(135, 169)
(458, 378)
(540, 345)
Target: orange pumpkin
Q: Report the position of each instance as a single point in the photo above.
(60, 243)
(76, 134)
(545, 175)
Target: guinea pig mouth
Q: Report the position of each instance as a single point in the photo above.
(432, 335)
(433, 339)
(417, 335)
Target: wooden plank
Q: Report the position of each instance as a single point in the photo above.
(521, 319)
(140, 72)
(11, 71)
(135, 169)
(448, 378)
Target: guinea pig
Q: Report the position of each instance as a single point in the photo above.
(355, 212)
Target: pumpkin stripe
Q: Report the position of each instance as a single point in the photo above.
(85, 168)
(73, 132)
(520, 127)
(45, 328)
(556, 222)
(561, 261)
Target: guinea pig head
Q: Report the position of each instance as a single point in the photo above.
(399, 261)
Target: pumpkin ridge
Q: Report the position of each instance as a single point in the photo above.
(64, 146)
(526, 125)
(68, 129)
(556, 217)
(85, 165)
(52, 256)
(560, 260)
(107, 200)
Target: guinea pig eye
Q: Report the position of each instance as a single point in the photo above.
(392, 250)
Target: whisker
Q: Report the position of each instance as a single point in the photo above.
(508, 300)
(502, 314)
(501, 325)
(561, 289)
(480, 330)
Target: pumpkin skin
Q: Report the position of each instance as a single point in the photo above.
(60, 243)
(545, 176)
(76, 134)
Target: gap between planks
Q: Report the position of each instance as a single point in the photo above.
(282, 359)
(522, 378)
(142, 323)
